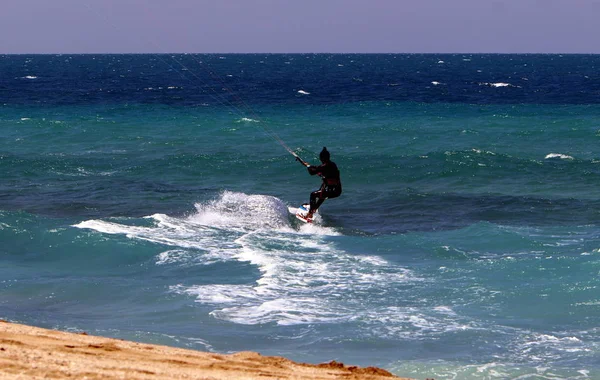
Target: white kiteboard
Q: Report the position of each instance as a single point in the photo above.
(301, 213)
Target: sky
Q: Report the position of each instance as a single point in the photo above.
(299, 26)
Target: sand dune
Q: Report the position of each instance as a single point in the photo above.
(34, 353)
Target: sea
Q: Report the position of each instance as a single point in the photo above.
(151, 197)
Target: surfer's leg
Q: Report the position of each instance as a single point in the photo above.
(332, 192)
(317, 205)
(316, 198)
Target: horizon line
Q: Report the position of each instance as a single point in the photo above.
(300, 53)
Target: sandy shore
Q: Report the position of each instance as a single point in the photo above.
(34, 353)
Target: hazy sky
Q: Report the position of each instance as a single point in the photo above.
(291, 26)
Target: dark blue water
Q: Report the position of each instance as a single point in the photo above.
(151, 197)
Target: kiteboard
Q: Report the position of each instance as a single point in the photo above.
(301, 213)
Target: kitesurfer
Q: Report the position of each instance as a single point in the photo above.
(331, 186)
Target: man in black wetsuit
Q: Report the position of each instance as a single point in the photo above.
(332, 185)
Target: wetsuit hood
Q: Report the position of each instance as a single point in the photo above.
(324, 155)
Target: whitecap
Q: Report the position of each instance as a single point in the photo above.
(497, 84)
(302, 92)
(30, 77)
(558, 155)
(171, 256)
(247, 120)
(238, 211)
(538, 339)
(436, 83)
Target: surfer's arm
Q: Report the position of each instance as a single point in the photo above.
(302, 162)
(312, 170)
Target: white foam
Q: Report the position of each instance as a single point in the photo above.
(303, 277)
(301, 282)
(497, 84)
(82, 172)
(545, 338)
(479, 151)
(558, 155)
(302, 92)
(413, 323)
(218, 294)
(247, 120)
(166, 230)
(173, 256)
(244, 212)
(290, 311)
(214, 227)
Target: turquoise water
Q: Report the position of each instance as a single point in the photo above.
(148, 197)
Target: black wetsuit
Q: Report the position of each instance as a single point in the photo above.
(331, 187)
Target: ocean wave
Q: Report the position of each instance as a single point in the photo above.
(159, 88)
(82, 172)
(247, 120)
(215, 224)
(301, 283)
(498, 84)
(550, 156)
(493, 369)
(302, 271)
